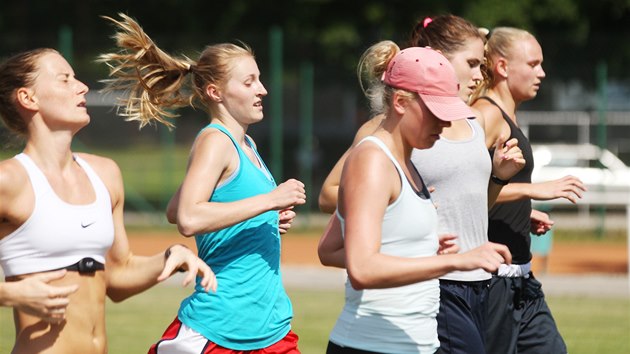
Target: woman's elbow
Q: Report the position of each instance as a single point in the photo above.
(117, 295)
(360, 280)
(186, 226)
(326, 203)
(324, 258)
(332, 259)
(357, 283)
(171, 217)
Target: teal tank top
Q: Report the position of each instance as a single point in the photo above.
(250, 309)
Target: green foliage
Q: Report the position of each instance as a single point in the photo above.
(526, 14)
(307, 23)
(504, 13)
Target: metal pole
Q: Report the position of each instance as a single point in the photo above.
(628, 239)
(167, 142)
(65, 43)
(306, 131)
(602, 108)
(276, 134)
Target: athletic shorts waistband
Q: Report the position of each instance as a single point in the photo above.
(514, 270)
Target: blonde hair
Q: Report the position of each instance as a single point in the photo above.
(155, 81)
(372, 65)
(499, 45)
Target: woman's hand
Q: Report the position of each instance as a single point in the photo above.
(508, 159)
(448, 244)
(540, 222)
(488, 257)
(288, 194)
(568, 187)
(180, 258)
(33, 295)
(286, 217)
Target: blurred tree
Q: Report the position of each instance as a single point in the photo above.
(575, 34)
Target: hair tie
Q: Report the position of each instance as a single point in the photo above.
(189, 69)
(484, 32)
(426, 22)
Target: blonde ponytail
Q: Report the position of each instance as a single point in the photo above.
(153, 79)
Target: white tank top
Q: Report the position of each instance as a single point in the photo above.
(58, 234)
(400, 319)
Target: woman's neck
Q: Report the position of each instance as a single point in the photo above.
(389, 132)
(235, 128)
(502, 96)
(50, 148)
(49, 153)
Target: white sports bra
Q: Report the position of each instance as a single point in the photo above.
(58, 234)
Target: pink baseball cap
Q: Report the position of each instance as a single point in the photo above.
(431, 75)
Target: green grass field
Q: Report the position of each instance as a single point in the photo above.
(588, 325)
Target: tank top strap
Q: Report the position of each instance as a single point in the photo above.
(263, 167)
(97, 183)
(424, 193)
(224, 130)
(241, 154)
(476, 127)
(387, 152)
(39, 181)
(506, 117)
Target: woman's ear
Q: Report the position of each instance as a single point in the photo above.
(26, 98)
(214, 93)
(399, 103)
(502, 67)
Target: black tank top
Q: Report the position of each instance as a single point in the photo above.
(509, 223)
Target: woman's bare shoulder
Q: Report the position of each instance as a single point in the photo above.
(106, 168)
(368, 128)
(98, 162)
(13, 176)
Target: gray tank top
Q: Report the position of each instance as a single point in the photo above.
(459, 171)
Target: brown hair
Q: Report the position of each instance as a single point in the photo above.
(16, 72)
(446, 33)
(155, 81)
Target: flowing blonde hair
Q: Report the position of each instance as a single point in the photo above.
(156, 81)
